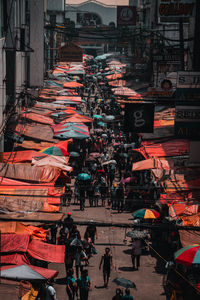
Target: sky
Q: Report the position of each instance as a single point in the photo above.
(108, 2)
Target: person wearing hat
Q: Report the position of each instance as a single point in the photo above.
(68, 221)
(113, 195)
(118, 294)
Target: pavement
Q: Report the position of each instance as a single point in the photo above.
(148, 282)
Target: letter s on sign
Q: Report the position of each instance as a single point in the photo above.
(138, 121)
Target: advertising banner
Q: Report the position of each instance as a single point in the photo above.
(188, 86)
(139, 117)
(126, 16)
(170, 11)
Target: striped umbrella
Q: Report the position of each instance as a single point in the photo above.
(188, 255)
(146, 213)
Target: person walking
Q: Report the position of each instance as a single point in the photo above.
(127, 295)
(71, 284)
(136, 253)
(91, 230)
(107, 261)
(84, 285)
(118, 294)
(50, 292)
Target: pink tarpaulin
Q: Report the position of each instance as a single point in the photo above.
(20, 156)
(11, 242)
(47, 252)
(14, 259)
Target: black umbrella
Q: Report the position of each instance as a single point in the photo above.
(125, 283)
(76, 243)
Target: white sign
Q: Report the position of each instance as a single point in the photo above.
(188, 79)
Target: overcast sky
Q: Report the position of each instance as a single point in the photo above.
(108, 2)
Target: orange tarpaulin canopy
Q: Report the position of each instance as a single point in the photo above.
(19, 228)
(37, 118)
(114, 76)
(20, 156)
(46, 252)
(33, 145)
(178, 209)
(163, 123)
(152, 163)
(77, 119)
(72, 84)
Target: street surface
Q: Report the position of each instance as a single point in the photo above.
(148, 282)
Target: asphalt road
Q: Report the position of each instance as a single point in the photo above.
(148, 282)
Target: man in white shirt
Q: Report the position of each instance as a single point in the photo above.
(50, 292)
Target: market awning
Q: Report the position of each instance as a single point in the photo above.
(152, 163)
(46, 252)
(19, 156)
(27, 272)
(170, 148)
(30, 173)
(14, 242)
(14, 259)
(72, 84)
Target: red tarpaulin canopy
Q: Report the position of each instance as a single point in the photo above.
(19, 156)
(47, 252)
(14, 242)
(14, 259)
(170, 148)
(72, 84)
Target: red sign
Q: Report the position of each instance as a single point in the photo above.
(126, 15)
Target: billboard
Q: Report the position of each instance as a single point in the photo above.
(170, 11)
(139, 117)
(187, 121)
(70, 53)
(126, 16)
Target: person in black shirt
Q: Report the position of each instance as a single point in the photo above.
(107, 261)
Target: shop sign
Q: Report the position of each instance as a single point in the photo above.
(166, 57)
(126, 16)
(187, 121)
(70, 53)
(170, 11)
(139, 117)
(188, 85)
(187, 79)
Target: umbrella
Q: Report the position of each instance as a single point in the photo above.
(188, 255)
(125, 155)
(72, 134)
(137, 234)
(55, 150)
(100, 171)
(130, 179)
(83, 176)
(146, 213)
(27, 272)
(97, 117)
(98, 129)
(124, 283)
(74, 154)
(109, 118)
(110, 162)
(95, 154)
(76, 243)
(101, 124)
(104, 135)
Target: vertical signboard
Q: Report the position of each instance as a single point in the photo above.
(36, 42)
(170, 11)
(139, 117)
(126, 16)
(188, 86)
(187, 121)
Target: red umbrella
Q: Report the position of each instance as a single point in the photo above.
(100, 171)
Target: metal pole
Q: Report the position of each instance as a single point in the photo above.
(181, 44)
